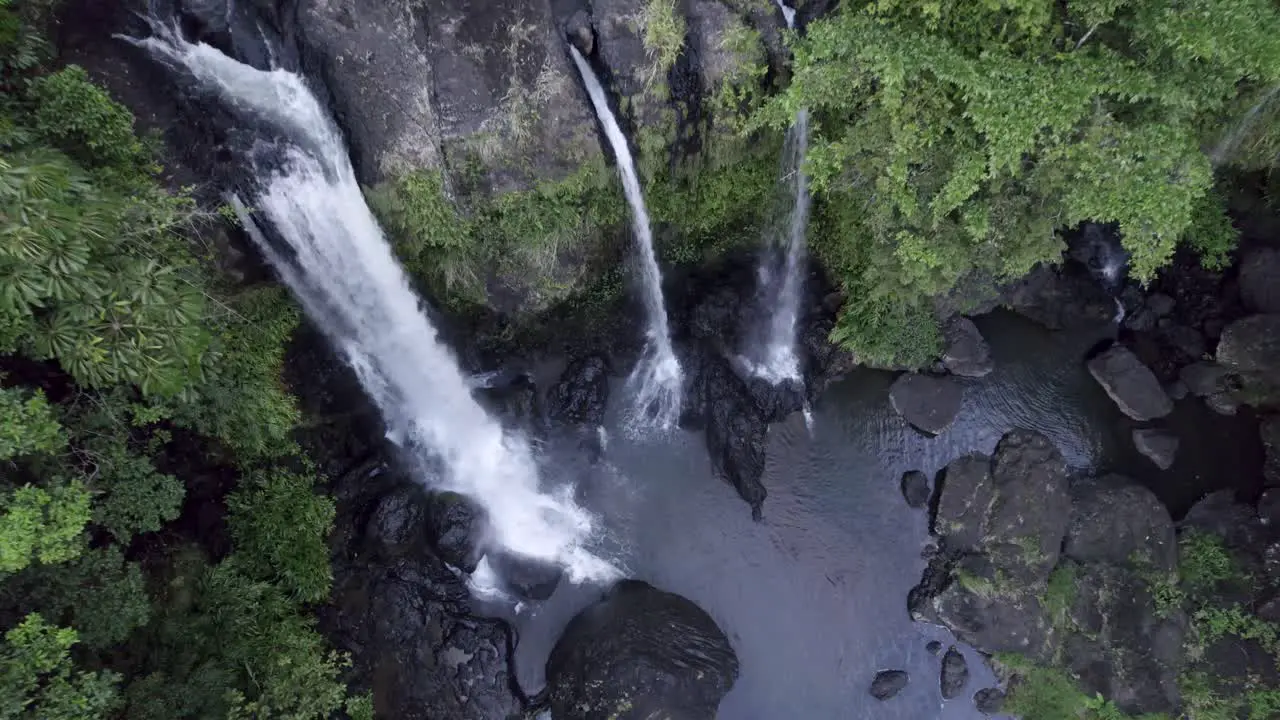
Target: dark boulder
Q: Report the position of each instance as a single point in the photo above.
(1204, 379)
(514, 399)
(776, 401)
(1158, 446)
(1029, 516)
(1130, 384)
(1118, 644)
(582, 392)
(973, 598)
(989, 701)
(1251, 345)
(965, 494)
(578, 30)
(735, 431)
(397, 526)
(955, 674)
(1061, 298)
(405, 617)
(967, 353)
(929, 403)
(915, 489)
(934, 647)
(525, 577)
(1269, 430)
(1260, 280)
(888, 683)
(1002, 521)
(640, 653)
(1218, 513)
(1116, 521)
(455, 525)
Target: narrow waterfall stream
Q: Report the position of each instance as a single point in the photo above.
(341, 268)
(656, 381)
(772, 354)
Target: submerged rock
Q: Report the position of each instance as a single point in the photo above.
(1159, 446)
(1260, 280)
(989, 701)
(1130, 384)
(455, 525)
(967, 353)
(955, 673)
(915, 489)
(1204, 379)
(581, 394)
(640, 653)
(888, 683)
(526, 577)
(929, 403)
(934, 647)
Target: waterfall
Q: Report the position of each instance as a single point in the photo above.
(788, 14)
(773, 353)
(1227, 146)
(338, 264)
(656, 381)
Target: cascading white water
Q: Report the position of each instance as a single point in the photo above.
(656, 382)
(341, 269)
(1228, 144)
(772, 353)
(773, 356)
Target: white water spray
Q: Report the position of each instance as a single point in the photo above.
(341, 269)
(788, 14)
(1228, 145)
(781, 288)
(656, 381)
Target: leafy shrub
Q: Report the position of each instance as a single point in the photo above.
(29, 424)
(664, 30)
(42, 524)
(72, 113)
(279, 525)
(37, 679)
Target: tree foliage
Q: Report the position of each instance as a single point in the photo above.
(131, 370)
(961, 137)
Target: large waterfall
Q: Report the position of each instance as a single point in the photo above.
(340, 267)
(656, 383)
(772, 354)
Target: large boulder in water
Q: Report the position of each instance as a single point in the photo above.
(1158, 446)
(582, 393)
(1130, 384)
(735, 430)
(929, 403)
(967, 353)
(1116, 521)
(455, 525)
(1001, 522)
(640, 653)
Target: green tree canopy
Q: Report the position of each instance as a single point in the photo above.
(958, 138)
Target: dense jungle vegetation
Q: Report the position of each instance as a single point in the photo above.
(130, 372)
(955, 141)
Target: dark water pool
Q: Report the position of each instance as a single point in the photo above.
(814, 597)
